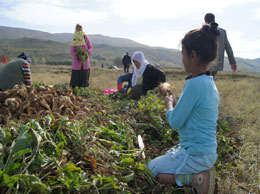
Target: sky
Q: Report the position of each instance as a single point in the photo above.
(152, 22)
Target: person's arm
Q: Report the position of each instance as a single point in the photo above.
(177, 116)
(90, 47)
(128, 60)
(170, 102)
(158, 75)
(27, 74)
(155, 76)
(230, 54)
(72, 51)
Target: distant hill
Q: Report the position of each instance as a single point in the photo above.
(257, 60)
(51, 52)
(40, 51)
(246, 65)
(8, 33)
(44, 47)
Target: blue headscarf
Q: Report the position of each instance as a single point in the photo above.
(25, 57)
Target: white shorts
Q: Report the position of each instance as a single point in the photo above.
(177, 161)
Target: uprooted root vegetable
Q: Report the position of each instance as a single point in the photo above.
(165, 89)
(31, 102)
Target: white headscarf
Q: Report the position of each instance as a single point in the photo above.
(138, 56)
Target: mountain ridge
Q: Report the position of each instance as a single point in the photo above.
(17, 33)
(106, 49)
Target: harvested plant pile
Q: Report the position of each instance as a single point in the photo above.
(65, 152)
(25, 103)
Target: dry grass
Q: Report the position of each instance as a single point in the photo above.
(240, 104)
(50, 75)
(100, 79)
(239, 107)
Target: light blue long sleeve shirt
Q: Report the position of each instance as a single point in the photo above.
(195, 116)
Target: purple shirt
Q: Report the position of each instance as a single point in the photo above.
(76, 65)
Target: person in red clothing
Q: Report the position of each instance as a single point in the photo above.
(4, 59)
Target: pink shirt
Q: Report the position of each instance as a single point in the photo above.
(76, 65)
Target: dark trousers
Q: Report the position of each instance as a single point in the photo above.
(125, 78)
(80, 78)
(126, 68)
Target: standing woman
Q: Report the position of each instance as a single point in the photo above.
(80, 50)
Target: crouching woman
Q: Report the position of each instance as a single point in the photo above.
(145, 76)
(194, 117)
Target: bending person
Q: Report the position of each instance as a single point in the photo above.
(145, 76)
(16, 72)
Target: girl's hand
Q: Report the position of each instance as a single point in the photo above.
(169, 102)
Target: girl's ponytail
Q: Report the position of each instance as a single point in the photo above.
(214, 28)
(211, 29)
(203, 41)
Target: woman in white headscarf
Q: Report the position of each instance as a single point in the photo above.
(144, 77)
(140, 64)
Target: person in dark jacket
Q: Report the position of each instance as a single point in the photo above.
(223, 45)
(126, 61)
(16, 72)
(145, 76)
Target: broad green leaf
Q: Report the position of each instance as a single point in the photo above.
(128, 161)
(140, 166)
(5, 136)
(128, 178)
(23, 141)
(10, 181)
(72, 168)
(26, 139)
(33, 182)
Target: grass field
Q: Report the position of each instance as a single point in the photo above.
(239, 110)
(238, 126)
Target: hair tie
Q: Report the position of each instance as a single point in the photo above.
(214, 27)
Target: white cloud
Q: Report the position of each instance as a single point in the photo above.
(163, 38)
(52, 13)
(168, 9)
(257, 14)
(111, 17)
(172, 39)
(242, 47)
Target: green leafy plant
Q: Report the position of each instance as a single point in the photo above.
(98, 154)
(81, 55)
